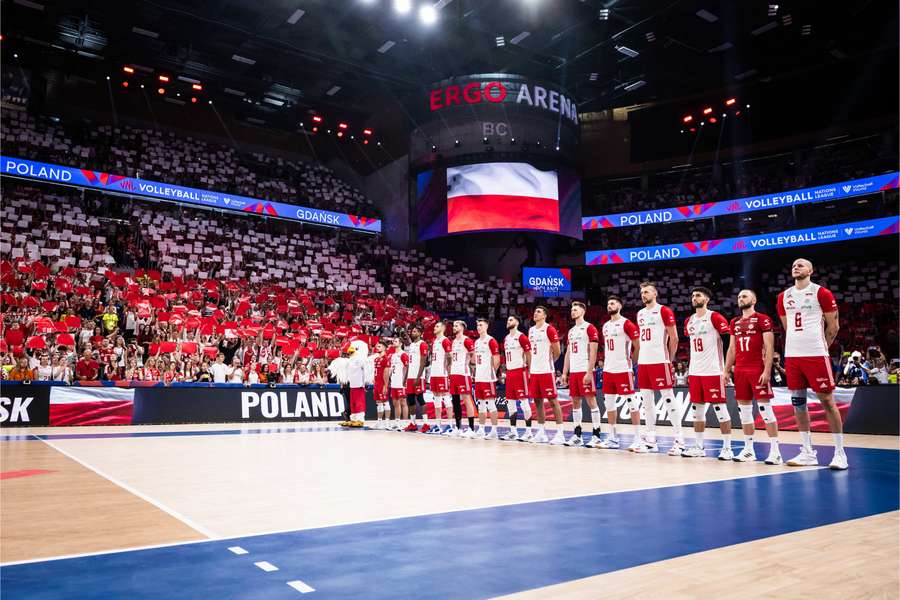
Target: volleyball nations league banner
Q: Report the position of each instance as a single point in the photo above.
(822, 193)
(27, 169)
(750, 243)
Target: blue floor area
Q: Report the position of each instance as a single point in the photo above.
(468, 554)
(151, 434)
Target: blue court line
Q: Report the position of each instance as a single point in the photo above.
(467, 554)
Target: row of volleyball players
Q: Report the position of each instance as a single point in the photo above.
(808, 313)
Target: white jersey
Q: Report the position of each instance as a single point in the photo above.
(805, 313)
(459, 361)
(485, 350)
(654, 337)
(705, 336)
(417, 352)
(617, 343)
(578, 342)
(439, 349)
(515, 346)
(399, 359)
(541, 339)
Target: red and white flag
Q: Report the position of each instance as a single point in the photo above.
(501, 196)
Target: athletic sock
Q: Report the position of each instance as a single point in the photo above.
(576, 418)
(596, 419)
(748, 442)
(673, 411)
(807, 441)
(596, 432)
(726, 441)
(773, 445)
(612, 432)
(838, 442)
(527, 422)
(649, 401)
(471, 422)
(698, 436)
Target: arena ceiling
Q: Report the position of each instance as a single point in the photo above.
(361, 56)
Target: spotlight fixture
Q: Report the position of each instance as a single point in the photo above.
(456, 143)
(402, 6)
(427, 14)
(484, 141)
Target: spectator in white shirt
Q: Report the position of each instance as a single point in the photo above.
(219, 369)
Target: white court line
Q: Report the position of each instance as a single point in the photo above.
(189, 522)
(266, 566)
(238, 550)
(406, 516)
(301, 586)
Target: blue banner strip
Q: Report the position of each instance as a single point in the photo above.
(16, 167)
(822, 193)
(750, 243)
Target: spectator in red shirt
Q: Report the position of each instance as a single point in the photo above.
(87, 369)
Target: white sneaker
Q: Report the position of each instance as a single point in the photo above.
(468, 434)
(491, 436)
(453, 432)
(608, 444)
(726, 453)
(540, 437)
(479, 434)
(526, 437)
(746, 455)
(839, 462)
(559, 439)
(646, 447)
(677, 449)
(596, 442)
(511, 436)
(694, 452)
(574, 440)
(774, 457)
(635, 444)
(804, 459)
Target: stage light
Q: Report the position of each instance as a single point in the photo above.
(107, 77)
(730, 101)
(193, 100)
(342, 125)
(210, 102)
(164, 78)
(712, 119)
(142, 86)
(693, 130)
(484, 141)
(125, 84)
(128, 70)
(315, 129)
(682, 131)
(433, 148)
(557, 148)
(340, 134)
(456, 143)
(367, 132)
(688, 119)
(737, 114)
(197, 87)
(427, 14)
(317, 119)
(702, 123)
(724, 115)
(161, 91)
(707, 110)
(512, 141)
(402, 6)
(748, 106)
(366, 142)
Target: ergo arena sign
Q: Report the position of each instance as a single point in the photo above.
(496, 92)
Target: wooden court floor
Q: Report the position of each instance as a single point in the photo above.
(365, 512)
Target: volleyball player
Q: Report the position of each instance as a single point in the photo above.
(659, 342)
(706, 377)
(620, 347)
(486, 355)
(582, 341)
(517, 360)
(542, 374)
(750, 352)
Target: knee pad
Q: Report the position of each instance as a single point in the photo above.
(700, 410)
(634, 403)
(379, 407)
(448, 402)
(482, 406)
(746, 411)
(609, 402)
(491, 406)
(767, 413)
(722, 413)
(798, 399)
(526, 409)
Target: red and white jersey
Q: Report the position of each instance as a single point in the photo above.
(381, 363)
(805, 310)
(654, 338)
(399, 359)
(486, 349)
(541, 339)
(578, 342)
(439, 349)
(618, 336)
(705, 334)
(515, 346)
(749, 347)
(417, 352)
(459, 362)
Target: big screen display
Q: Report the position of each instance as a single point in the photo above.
(498, 196)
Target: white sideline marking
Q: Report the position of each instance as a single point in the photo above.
(189, 522)
(238, 550)
(266, 566)
(301, 586)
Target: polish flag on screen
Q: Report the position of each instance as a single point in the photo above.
(501, 196)
(91, 405)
